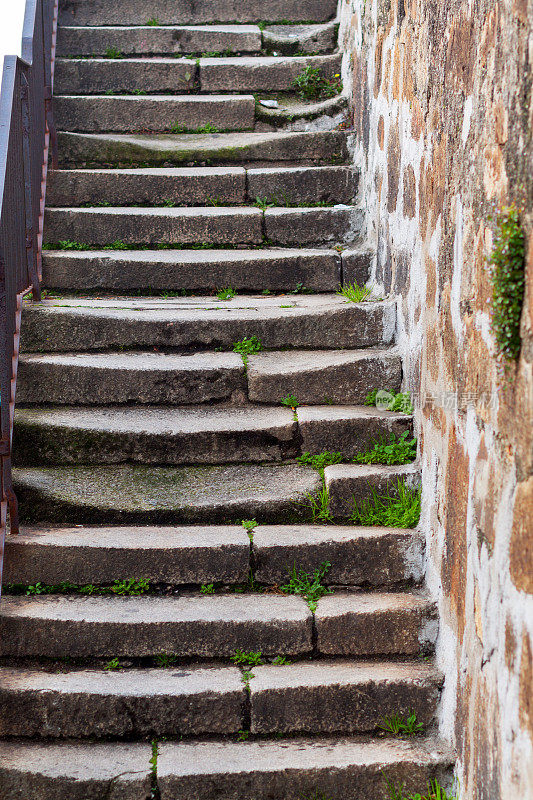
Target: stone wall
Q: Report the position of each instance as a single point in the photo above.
(443, 119)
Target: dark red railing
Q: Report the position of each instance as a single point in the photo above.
(26, 134)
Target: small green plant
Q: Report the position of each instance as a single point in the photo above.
(118, 244)
(153, 21)
(434, 791)
(281, 661)
(319, 461)
(390, 401)
(399, 510)
(242, 735)
(355, 293)
(389, 451)
(131, 587)
(112, 52)
(508, 282)
(113, 664)
(311, 85)
(153, 759)
(247, 347)
(166, 660)
(207, 129)
(290, 402)
(308, 585)
(263, 203)
(247, 676)
(249, 526)
(399, 725)
(248, 658)
(207, 588)
(226, 294)
(301, 289)
(319, 506)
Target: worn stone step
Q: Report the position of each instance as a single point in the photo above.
(165, 495)
(193, 12)
(347, 429)
(103, 226)
(165, 113)
(73, 771)
(340, 769)
(342, 377)
(154, 435)
(292, 39)
(358, 556)
(193, 554)
(313, 147)
(339, 224)
(340, 697)
(195, 323)
(187, 626)
(346, 482)
(295, 114)
(176, 39)
(201, 186)
(213, 75)
(135, 377)
(374, 624)
(184, 701)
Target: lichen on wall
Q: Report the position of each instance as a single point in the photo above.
(443, 120)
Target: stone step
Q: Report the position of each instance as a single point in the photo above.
(70, 324)
(193, 12)
(213, 75)
(134, 377)
(154, 435)
(295, 114)
(203, 225)
(199, 554)
(344, 769)
(156, 113)
(211, 626)
(204, 554)
(292, 39)
(166, 495)
(202, 186)
(348, 481)
(306, 697)
(343, 377)
(178, 39)
(311, 147)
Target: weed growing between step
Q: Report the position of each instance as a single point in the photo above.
(311, 85)
(355, 293)
(249, 526)
(386, 400)
(400, 725)
(247, 347)
(290, 402)
(128, 587)
(308, 585)
(398, 510)
(390, 451)
(226, 294)
(434, 791)
(274, 202)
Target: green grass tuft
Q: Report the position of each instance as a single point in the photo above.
(308, 585)
(399, 510)
(399, 725)
(355, 293)
(247, 657)
(391, 451)
(311, 85)
(390, 401)
(226, 294)
(321, 460)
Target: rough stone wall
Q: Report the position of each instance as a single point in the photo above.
(443, 118)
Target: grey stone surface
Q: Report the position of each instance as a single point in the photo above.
(310, 225)
(103, 226)
(340, 697)
(193, 554)
(153, 113)
(154, 435)
(294, 185)
(358, 556)
(206, 626)
(347, 429)
(99, 75)
(345, 377)
(315, 147)
(193, 186)
(290, 39)
(192, 12)
(158, 40)
(129, 377)
(74, 771)
(356, 265)
(202, 270)
(341, 769)
(159, 495)
(137, 703)
(348, 481)
(295, 114)
(375, 624)
(261, 74)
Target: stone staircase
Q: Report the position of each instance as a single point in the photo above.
(143, 440)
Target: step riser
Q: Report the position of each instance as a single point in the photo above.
(346, 483)
(152, 40)
(212, 75)
(225, 186)
(358, 707)
(347, 435)
(151, 114)
(315, 148)
(193, 12)
(169, 226)
(348, 328)
(314, 39)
